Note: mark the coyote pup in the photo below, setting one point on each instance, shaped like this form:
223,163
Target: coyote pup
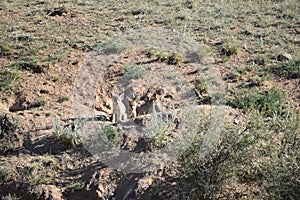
147,107
119,109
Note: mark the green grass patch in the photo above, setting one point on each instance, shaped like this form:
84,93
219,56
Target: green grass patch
7,78
172,58
74,187
64,99
111,134
8,172
267,102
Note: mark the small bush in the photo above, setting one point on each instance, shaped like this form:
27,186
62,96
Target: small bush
110,47
268,102
36,174
159,128
5,49
229,46
282,171
8,172
134,72
111,134
208,175
245,157
39,104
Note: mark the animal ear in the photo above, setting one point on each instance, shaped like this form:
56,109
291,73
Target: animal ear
154,96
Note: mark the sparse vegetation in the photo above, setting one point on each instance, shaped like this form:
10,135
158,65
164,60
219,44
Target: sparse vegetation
160,128
36,173
134,72
171,58
7,78
229,46
64,99
254,44
67,133
39,104
111,134
75,186
289,69
8,172
110,47
246,155
268,102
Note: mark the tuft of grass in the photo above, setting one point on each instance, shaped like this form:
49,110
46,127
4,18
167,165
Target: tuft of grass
290,69
39,104
110,47
64,99
201,89
159,127
75,186
7,79
134,72
5,49
172,58
204,52
36,174
229,47
8,172
175,59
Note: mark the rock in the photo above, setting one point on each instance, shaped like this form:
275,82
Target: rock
19,105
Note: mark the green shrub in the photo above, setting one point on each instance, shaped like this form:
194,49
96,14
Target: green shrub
268,102
231,157
229,46
8,172
134,72
75,186
110,47
247,156
111,134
